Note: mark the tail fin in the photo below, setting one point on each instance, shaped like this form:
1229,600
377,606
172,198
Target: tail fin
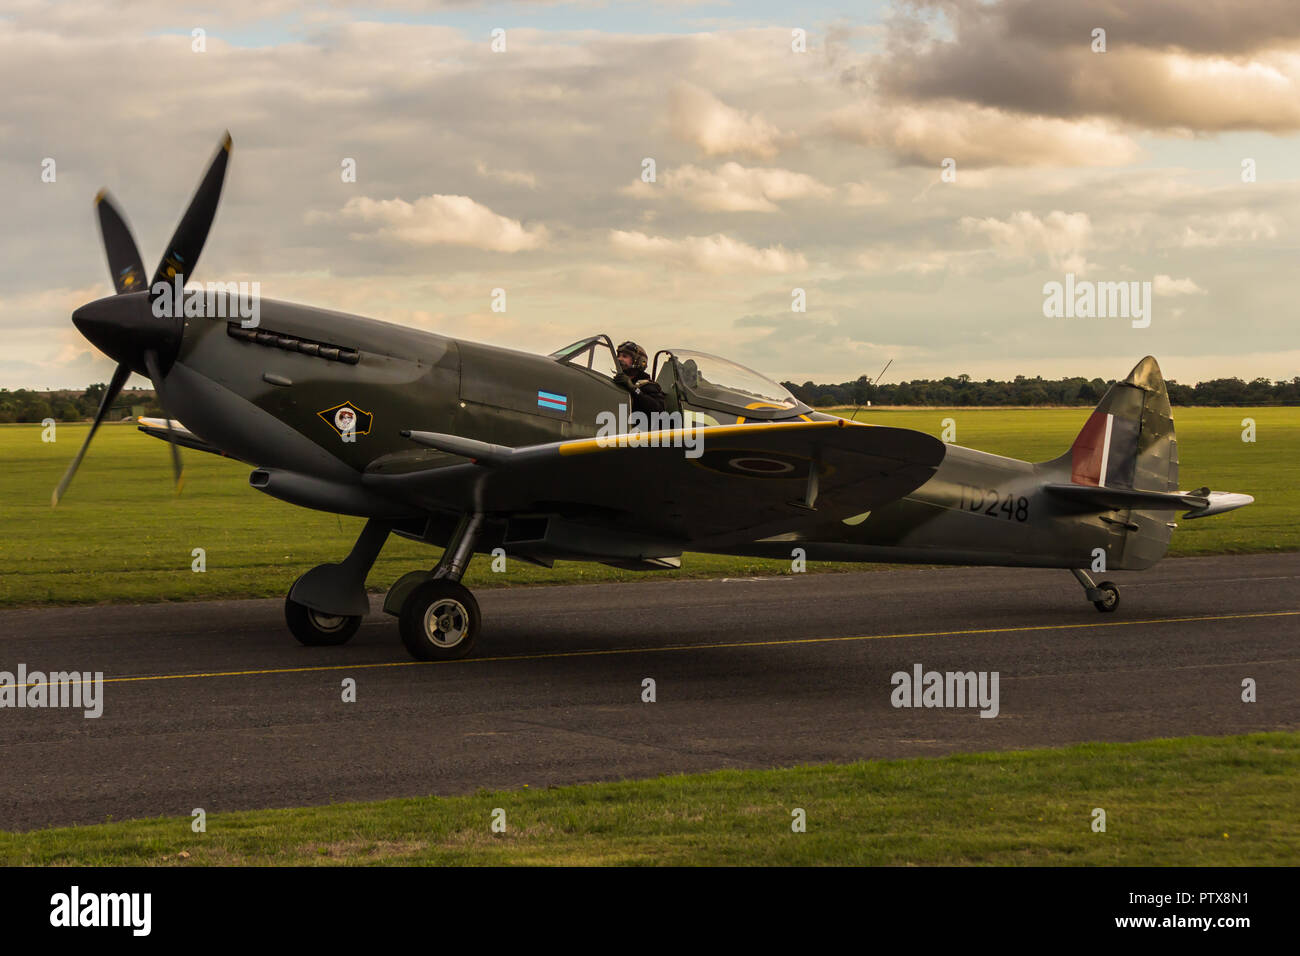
1128,445
1128,442
1123,467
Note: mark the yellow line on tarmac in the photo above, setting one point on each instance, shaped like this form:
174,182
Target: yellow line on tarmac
693,647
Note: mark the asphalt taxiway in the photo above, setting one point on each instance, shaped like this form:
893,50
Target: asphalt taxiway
214,705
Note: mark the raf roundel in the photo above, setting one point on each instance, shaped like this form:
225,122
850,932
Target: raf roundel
745,463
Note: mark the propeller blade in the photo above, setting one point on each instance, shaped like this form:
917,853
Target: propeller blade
155,373
183,251
120,375
123,257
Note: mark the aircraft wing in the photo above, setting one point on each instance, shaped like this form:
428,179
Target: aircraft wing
737,483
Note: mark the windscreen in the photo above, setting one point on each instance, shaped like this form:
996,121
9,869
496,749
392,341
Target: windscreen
594,353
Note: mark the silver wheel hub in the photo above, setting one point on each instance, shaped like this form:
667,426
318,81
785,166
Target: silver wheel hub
326,622
446,622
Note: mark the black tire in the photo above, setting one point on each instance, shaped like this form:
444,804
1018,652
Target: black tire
439,621
1111,601
316,629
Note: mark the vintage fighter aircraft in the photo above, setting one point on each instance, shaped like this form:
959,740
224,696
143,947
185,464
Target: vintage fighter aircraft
471,448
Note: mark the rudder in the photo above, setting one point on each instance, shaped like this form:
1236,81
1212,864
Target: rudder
1128,442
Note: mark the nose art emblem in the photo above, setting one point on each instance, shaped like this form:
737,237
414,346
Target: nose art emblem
347,419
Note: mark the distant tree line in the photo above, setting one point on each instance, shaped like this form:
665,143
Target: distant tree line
70,405
962,390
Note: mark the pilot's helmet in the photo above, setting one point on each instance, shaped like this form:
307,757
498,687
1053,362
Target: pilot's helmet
639,358
690,373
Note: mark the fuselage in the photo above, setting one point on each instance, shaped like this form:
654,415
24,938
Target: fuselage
267,395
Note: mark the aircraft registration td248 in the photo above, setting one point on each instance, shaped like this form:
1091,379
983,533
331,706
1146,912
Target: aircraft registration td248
472,448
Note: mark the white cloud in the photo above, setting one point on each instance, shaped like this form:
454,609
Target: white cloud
700,118
887,262
1237,226
863,194
452,220
1167,285
716,253
509,176
977,136
732,187
1060,236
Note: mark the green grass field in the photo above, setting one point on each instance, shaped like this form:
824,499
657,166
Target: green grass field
1198,801
121,535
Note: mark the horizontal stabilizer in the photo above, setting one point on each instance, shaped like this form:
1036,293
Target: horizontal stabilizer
1219,502
1200,503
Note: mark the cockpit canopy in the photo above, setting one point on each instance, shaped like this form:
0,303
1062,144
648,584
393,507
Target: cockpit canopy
595,352
716,389
711,382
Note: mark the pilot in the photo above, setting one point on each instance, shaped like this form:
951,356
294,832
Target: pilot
646,395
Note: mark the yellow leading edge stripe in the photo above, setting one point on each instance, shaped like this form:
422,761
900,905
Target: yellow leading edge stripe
687,647
600,444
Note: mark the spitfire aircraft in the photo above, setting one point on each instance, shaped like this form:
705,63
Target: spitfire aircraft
473,448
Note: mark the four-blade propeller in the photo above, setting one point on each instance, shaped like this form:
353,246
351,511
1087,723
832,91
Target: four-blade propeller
125,326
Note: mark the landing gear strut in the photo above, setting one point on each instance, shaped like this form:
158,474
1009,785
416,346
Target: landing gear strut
438,617
326,605
1104,596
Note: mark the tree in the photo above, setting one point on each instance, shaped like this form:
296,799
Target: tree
35,410
90,399
862,390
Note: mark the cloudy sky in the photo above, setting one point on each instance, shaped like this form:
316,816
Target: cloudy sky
775,169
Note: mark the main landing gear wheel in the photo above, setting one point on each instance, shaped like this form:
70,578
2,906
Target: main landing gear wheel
1109,599
317,629
439,621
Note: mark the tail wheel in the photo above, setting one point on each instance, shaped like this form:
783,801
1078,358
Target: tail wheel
317,629
1109,599
439,621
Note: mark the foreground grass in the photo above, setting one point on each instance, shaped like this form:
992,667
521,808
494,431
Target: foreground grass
121,535
1201,801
